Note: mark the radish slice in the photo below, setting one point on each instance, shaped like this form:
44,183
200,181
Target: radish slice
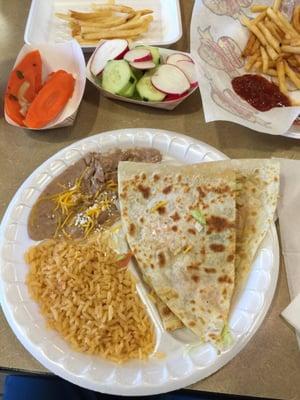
173,97
174,58
108,50
138,55
188,67
143,65
170,79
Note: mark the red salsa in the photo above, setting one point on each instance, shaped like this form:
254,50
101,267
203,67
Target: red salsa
259,92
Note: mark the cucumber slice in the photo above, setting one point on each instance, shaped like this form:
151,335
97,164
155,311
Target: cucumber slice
154,52
138,73
117,76
129,92
147,91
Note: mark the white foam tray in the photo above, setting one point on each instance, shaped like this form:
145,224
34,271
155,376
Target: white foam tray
43,26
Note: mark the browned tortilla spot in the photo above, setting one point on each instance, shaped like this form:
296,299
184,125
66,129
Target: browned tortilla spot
132,229
202,250
192,302
161,210
175,217
144,190
195,278
230,258
174,228
192,323
210,270
218,224
167,189
179,178
143,176
217,247
192,231
156,177
161,259
201,192
225,279
193,267
142,220
166,311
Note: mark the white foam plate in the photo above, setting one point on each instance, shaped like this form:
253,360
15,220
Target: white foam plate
186,360
43,26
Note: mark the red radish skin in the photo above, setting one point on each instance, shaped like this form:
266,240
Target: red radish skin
174,58
108,50
143,65
138,55
173,97
189,69
170,79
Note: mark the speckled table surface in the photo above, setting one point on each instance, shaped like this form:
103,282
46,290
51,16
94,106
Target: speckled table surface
269,366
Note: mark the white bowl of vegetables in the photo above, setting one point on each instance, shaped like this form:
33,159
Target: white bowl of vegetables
151,76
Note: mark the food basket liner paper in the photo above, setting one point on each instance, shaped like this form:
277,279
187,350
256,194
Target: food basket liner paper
164,105
217,40
67,56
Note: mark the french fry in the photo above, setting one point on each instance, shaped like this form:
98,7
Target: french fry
276,5
272,28
257,65
274,17
273,42
112,8
256,8
251,61
85,16
248,49
265,60
259,18
296,18
292,75
272,72
254,29
65,17
107,21
281,77
292,62
112,34
291,49
286,23
272,53
295,42
256,46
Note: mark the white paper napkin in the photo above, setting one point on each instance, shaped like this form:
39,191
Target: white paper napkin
289,221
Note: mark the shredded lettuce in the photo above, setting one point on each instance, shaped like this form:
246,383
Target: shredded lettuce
198,215
226,337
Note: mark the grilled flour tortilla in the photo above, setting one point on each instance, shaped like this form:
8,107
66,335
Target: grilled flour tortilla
256,201
180,225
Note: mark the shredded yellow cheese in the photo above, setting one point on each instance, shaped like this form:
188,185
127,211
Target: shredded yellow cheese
161,203
186,249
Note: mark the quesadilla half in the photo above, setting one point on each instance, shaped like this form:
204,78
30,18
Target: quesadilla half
180,226
256,201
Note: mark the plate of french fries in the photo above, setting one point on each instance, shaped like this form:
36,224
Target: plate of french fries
251,37
152,22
